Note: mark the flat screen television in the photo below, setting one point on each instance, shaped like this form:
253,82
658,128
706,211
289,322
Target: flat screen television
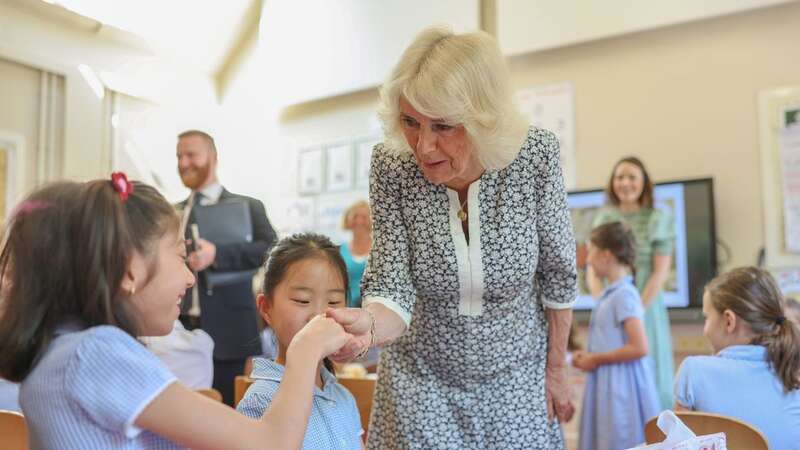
690,203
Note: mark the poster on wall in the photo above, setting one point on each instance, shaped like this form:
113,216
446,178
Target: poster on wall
789,144
340,168
789,281
363,159
779,119
299,214
552,107
310,171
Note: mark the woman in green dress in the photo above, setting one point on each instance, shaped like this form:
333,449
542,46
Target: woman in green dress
630,197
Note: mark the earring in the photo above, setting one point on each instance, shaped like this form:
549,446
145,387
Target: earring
133,291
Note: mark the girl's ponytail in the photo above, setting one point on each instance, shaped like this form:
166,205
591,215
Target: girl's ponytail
754,296
783,350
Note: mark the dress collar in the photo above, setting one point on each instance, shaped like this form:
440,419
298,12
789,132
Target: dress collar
627,279
265,369
70,325
744,352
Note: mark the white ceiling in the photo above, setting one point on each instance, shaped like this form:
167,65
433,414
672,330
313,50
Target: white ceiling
195,33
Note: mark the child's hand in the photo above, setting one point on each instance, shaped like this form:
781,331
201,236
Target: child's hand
584,361
320,337
357,322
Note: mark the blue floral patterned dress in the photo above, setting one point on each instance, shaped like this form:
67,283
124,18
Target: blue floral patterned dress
470,370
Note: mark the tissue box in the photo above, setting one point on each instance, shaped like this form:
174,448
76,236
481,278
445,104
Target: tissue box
714,441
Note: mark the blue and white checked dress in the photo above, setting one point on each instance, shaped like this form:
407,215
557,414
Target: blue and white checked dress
334,421
88,389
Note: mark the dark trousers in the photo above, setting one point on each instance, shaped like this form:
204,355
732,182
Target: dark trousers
225,373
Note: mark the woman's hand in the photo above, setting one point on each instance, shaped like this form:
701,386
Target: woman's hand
320,337
357,322
558,393
584,361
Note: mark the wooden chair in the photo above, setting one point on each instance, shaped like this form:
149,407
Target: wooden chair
211,393
363,389
739,435
240,385
14,431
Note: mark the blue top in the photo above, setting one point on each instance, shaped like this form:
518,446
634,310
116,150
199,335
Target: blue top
355,270
89,387
738,382
619,301
334,421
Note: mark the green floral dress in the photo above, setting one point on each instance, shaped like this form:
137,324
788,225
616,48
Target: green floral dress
654,236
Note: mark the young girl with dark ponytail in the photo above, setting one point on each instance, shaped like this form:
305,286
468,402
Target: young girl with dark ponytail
754,374
620,394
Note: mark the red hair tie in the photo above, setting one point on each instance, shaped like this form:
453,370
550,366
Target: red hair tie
121,184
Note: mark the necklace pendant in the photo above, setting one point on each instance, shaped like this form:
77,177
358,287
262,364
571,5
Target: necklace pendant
462,215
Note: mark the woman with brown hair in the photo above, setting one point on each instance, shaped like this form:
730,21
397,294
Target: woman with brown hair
630,198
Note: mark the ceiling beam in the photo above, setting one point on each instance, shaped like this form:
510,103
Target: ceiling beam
247,33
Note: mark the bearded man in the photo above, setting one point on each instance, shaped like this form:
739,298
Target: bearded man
226,312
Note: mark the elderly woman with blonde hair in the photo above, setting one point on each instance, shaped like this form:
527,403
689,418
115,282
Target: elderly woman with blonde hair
471,276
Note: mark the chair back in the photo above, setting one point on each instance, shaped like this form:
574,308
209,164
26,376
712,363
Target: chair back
739,435
240,385
363,389
211,393
14,430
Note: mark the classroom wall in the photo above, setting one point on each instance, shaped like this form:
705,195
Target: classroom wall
683,98
59,45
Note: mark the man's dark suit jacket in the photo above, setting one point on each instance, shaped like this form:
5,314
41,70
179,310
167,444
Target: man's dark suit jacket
228,313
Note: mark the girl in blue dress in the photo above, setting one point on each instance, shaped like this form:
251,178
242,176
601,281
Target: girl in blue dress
754,374
304,277
85,269
620,395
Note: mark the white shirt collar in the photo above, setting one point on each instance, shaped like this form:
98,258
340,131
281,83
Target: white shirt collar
211,193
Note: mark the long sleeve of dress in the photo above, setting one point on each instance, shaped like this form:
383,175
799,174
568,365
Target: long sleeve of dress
387,278
556,272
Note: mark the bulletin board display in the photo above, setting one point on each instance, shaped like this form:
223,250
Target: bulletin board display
779,132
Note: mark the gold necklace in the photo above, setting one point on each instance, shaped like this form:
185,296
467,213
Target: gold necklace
462,214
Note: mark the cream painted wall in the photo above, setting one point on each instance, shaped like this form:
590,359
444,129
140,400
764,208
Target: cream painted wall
258,149
59,48
19,91
683,98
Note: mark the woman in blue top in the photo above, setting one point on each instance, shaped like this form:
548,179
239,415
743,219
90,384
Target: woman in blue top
304,277
620,393
358,220
84,269
754,375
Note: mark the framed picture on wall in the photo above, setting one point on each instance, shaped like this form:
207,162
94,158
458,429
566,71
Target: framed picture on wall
363,158
310,171
339,168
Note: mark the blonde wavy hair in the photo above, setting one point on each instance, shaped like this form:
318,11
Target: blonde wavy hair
349,211
462,79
